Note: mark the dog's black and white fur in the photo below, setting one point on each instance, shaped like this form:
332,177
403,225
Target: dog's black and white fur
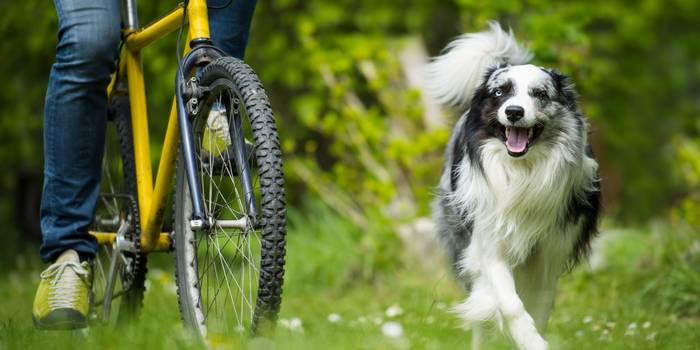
519,194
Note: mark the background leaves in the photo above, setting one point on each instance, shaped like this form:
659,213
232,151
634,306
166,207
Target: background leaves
356,130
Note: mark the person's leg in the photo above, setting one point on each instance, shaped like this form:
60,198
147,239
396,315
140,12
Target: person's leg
229,26
75,116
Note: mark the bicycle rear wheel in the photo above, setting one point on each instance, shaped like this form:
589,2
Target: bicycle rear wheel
118,207
230,275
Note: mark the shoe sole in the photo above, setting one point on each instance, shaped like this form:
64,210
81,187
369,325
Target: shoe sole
61,319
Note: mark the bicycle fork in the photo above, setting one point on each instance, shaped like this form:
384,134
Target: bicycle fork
199,220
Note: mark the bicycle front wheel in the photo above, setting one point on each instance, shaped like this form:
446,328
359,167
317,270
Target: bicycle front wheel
229,275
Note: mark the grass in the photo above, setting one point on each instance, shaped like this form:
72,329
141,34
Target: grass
641,291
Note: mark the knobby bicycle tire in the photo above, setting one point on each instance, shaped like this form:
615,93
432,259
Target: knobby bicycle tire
232,83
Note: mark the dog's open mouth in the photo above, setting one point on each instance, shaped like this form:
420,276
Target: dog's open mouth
518,140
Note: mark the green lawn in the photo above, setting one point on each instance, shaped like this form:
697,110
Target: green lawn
348,288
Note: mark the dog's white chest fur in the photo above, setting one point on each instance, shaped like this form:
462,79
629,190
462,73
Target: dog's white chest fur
516,202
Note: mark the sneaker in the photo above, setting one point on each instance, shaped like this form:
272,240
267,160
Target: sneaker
62,299
217,123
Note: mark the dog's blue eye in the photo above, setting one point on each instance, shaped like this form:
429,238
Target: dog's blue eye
498,93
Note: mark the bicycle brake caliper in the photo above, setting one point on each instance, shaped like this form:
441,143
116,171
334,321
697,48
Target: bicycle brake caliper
192,92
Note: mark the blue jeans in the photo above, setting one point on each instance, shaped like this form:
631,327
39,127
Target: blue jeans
75,111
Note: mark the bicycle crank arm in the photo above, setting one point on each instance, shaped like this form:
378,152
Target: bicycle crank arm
114,262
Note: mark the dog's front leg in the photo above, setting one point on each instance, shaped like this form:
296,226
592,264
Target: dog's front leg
536,283
493,295
477,337
519,323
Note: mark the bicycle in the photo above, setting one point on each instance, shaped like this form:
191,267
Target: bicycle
229,203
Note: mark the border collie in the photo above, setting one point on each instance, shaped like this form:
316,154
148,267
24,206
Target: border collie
519,195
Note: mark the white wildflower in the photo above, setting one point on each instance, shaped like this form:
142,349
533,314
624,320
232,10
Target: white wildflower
333,318
293,324
587,319
393,311
651,336
392,330
646,325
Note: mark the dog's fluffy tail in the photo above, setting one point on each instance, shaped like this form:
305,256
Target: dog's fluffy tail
453,77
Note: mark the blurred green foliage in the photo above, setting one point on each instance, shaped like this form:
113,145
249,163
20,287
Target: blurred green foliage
634,62
354,128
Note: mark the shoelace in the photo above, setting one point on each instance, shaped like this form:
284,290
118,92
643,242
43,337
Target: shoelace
64,293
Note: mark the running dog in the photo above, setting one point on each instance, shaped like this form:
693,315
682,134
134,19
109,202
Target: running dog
519,196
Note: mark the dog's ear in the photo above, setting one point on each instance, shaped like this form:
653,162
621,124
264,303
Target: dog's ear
565,88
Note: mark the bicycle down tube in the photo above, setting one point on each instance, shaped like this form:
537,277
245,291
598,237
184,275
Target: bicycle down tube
152,199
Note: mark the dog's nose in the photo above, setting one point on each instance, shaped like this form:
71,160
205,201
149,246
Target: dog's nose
514,113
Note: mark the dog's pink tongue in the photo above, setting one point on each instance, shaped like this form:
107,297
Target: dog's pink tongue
516,140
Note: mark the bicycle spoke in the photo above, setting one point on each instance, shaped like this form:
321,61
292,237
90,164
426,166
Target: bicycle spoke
228,283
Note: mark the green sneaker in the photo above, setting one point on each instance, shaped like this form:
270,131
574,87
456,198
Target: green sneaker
217,123
62,300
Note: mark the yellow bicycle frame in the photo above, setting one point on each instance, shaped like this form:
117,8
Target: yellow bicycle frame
152,200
